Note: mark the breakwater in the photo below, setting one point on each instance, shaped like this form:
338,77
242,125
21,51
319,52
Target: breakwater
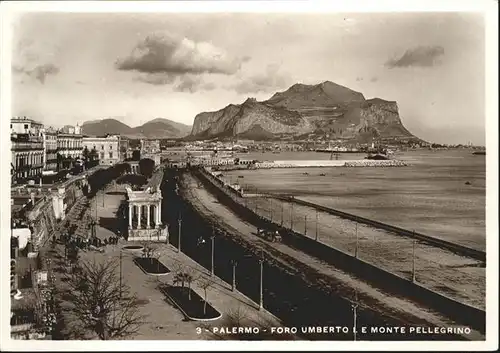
456,248
459,312
294,294
316,164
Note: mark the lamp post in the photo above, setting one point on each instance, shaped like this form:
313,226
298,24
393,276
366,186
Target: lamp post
282,209
356,249
355,315
180,232
121,273
413,278
212,238
261,301
316,225
234,263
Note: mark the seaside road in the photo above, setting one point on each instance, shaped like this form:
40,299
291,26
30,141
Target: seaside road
343,283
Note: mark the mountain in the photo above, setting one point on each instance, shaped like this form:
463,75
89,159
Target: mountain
105,126
323,109
157,128
162,128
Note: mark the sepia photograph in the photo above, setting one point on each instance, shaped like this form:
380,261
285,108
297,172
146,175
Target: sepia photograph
249,175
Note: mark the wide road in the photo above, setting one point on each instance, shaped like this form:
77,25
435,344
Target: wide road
343,283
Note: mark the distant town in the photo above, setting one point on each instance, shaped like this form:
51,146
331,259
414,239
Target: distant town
43,154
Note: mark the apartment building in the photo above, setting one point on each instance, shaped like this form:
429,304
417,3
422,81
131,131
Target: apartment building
107,148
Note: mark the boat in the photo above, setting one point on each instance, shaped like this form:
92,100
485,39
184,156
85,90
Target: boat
377,157
479,153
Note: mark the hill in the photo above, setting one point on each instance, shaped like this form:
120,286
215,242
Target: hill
306,110
158,128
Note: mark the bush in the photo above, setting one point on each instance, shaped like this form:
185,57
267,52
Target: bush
132,179
147,167
102,177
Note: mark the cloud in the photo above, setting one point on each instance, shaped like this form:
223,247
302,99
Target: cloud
170,54
157,79
423,56
191,83
263,82
34,61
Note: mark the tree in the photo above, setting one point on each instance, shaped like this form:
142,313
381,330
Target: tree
149,251
205,283
102,304
147,167
136,155
86,156
132,179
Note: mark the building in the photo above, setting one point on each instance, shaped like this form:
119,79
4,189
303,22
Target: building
25,125
70,129
50,151
107,148
124,148
27,150
150,147
69,147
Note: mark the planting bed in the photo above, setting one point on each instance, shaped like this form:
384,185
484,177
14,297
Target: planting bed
133,247
193,308
151,266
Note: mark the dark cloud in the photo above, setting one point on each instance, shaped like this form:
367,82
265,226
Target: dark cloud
264,82
157,79
38,72
181,83
166,53
423,56
191,83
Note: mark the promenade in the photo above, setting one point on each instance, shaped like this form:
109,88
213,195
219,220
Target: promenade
163,320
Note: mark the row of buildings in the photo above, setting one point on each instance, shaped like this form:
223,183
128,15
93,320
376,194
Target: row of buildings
38,151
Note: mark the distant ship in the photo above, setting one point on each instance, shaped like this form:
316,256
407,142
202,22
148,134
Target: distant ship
481,153
377,156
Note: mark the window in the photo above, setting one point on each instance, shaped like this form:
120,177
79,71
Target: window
110,147
94,147
102,155
11,126
26,126
110,154
102,147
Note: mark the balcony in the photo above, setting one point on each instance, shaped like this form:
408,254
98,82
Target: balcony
26,146
59,149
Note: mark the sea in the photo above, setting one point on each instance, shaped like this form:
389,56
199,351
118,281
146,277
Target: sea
442,193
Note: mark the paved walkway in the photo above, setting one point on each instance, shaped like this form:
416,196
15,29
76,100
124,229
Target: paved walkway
165,321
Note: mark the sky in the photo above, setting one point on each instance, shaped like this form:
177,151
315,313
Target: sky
73,67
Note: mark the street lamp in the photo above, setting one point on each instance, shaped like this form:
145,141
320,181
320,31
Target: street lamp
234,263
180,226
261,301
212,249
